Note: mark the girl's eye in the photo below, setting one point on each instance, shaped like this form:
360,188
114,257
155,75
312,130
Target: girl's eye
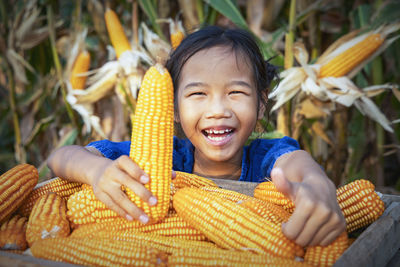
236,92
196,93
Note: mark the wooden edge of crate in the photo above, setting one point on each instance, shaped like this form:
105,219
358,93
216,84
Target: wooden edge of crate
377,244
13,259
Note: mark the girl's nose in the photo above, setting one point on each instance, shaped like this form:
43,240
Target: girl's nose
218,108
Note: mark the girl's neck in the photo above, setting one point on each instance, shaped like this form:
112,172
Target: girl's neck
220,170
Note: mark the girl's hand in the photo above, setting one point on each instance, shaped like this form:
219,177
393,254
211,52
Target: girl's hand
317,218
107,183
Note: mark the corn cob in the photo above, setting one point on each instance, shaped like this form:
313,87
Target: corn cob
184,179
344,62
48,219
267,192
159,242
177,33
226,193
359,203
85,186
116,33
327,256
96,252
152,135
81,65
171,226
174,226
220,257
231,226
15,186
84,208
57,185
12,234
274,213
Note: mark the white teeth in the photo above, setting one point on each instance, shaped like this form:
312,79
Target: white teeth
210,131
218,138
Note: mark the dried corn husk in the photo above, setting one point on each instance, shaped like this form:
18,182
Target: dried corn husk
334,89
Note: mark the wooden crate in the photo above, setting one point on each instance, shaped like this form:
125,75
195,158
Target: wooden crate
378,245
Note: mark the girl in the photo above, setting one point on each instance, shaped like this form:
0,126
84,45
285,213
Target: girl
220,80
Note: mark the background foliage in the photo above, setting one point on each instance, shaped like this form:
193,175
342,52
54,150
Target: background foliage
35,118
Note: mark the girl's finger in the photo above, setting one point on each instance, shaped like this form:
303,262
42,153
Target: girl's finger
132,169
297,221
109,202
316,226
329,238
137,188
283,185
173,174
130,211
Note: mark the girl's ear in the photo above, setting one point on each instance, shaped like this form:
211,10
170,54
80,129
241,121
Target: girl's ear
261,110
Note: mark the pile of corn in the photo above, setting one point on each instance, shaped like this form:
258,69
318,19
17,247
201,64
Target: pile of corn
195,223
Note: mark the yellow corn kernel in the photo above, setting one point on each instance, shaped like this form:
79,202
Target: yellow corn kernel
359,203
171,226
57,185
15,186
152,135
12,234
232,226
225,193
84,208
81,65
48,219
184,179
327,256
203,257
166,244
274,213
96,252
351,57
116,32
267,192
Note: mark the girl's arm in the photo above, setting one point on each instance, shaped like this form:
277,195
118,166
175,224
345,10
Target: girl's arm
87,165
317,219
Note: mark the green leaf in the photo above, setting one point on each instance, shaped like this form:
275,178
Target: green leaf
150,10
229,10
388,13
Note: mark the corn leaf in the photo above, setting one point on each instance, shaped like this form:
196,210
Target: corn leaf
150,10
229,10
386,14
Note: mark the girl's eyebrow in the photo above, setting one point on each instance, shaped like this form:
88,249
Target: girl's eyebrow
242,83
194,84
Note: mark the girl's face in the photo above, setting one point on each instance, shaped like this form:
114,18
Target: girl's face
217,104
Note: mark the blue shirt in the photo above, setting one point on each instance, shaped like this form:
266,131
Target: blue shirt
258,158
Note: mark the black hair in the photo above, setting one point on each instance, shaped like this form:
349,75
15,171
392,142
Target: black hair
240,41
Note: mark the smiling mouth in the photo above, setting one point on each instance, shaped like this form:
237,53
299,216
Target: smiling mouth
217,135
